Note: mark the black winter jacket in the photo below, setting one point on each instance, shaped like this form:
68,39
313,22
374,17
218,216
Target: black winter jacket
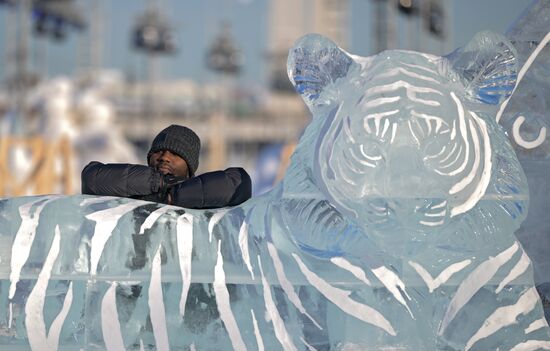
230,187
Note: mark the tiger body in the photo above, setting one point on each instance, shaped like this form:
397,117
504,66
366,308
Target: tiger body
393,228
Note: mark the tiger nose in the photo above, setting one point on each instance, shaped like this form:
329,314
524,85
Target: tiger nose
406,171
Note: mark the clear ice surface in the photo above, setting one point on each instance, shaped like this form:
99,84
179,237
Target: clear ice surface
393,228
526,119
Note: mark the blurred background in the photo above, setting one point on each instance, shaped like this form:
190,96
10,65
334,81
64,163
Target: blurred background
84,80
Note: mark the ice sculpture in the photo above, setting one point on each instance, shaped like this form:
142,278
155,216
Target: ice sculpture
526,119
80,114
392,229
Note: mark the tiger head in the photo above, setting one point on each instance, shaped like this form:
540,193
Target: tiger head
407,140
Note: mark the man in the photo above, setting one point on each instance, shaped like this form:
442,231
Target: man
170,176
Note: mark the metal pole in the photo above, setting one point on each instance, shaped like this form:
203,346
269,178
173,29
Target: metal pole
380,26
21,62
10,32
391,23
152,72
96,24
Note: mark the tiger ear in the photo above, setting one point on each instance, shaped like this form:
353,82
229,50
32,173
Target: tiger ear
314,62
487,67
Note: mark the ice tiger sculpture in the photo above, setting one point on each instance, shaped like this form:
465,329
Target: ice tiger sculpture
392,229
525,117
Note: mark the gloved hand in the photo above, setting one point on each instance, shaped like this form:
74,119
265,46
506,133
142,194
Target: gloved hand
168,181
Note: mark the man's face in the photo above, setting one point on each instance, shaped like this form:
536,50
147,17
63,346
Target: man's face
168,162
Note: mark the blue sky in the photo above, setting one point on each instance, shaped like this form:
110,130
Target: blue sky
197,22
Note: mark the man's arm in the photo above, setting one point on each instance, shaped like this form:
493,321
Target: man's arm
230,187
120,179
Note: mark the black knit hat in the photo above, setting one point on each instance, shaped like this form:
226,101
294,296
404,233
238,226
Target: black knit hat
180,140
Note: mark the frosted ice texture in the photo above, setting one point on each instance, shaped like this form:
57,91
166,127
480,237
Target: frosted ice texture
526,119
392,229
